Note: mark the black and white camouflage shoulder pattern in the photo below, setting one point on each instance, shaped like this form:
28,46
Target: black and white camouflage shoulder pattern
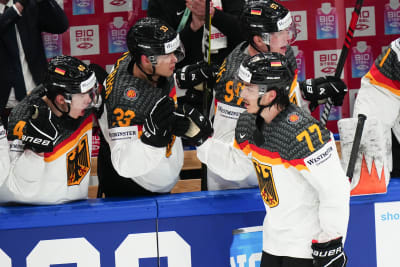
129,99
390,67
245,127
294,134
227,73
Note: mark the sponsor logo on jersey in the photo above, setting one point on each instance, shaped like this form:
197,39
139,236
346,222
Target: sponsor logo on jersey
227,113
320,158
266,183
121,133
130,94
78,162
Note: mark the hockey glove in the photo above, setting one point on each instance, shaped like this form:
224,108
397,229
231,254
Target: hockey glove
197,130
318,90
194,98
40,132
329,254
192,75
158,123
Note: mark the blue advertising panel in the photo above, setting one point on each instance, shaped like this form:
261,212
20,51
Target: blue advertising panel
218,228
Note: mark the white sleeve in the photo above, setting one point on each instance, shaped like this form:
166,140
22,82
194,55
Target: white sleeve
25,178
148,166
4,155
326,175
225,160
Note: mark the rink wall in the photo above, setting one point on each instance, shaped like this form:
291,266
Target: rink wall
194,229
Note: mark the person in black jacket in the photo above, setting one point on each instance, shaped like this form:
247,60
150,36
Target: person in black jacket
224,14
22,57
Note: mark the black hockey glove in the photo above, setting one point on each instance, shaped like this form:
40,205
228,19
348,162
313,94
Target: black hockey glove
158,123
192,75
318,90
191,125
329,254
40,133
194,98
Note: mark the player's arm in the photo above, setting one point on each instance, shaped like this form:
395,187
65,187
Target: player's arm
229,159
148,153
326,176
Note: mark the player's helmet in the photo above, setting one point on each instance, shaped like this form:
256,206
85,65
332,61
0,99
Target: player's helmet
153,37
269,71
263,17
68,75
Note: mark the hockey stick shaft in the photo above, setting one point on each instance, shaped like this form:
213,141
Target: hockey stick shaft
356,145
343,55
206,87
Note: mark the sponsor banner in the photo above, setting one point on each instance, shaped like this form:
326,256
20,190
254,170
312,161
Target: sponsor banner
325,62
387,228
84,40
300,19
118,5
366,21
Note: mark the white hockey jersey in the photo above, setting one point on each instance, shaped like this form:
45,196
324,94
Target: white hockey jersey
128,100
56,177
228,107
304,188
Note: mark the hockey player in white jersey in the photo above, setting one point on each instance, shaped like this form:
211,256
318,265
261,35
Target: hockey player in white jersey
141,150
269,27
50,134
303,186
380,87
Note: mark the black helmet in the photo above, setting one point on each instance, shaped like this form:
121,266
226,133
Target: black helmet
153,37
262,17
68,75
268,70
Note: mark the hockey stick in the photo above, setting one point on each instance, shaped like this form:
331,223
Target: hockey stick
343,56
356,146
206,87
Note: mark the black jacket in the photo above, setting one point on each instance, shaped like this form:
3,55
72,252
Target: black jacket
226,21
45,16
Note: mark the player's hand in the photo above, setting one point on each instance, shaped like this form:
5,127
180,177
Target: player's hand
318,90
158,123
40,133
329,254
197,127
192,75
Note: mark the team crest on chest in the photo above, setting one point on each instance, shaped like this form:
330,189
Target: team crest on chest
266,183
293,117
130,94
78,162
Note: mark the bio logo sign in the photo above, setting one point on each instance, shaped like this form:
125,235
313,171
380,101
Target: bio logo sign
81,252
366,21
300,20
117,6
325,62
84,40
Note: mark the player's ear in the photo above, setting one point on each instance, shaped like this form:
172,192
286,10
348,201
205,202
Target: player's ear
60,99
144,59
